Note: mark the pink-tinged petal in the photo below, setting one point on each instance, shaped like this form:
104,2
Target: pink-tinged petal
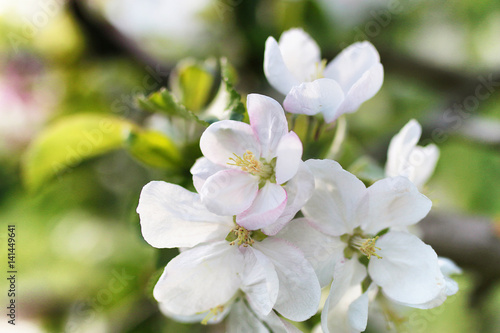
408,271
300,53
172,216
400,148
200,279
366,87
267,206
268,122
346,288
259,282
351,64
289,154
393,202
335,200
320,96
275,69
229,192
298,189
299,291
201,170
223,139
322,251
423,161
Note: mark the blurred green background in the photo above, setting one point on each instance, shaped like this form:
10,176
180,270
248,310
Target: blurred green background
82,263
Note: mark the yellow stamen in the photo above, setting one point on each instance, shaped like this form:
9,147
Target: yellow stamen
213,313
366,246
320,68
243,237
249,163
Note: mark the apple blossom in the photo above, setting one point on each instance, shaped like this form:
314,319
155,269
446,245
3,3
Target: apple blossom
294,67
346,222
405,158
222,263
253,171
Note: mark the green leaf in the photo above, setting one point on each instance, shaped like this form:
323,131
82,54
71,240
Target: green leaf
193,81
68,142
235,105
154,149
165,102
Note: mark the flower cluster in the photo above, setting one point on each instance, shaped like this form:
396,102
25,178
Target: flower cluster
245,257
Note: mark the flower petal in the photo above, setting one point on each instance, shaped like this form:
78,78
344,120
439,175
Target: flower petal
196,318
201,170
322,251
267,206
260,281
393,202
298,189
200,279
299,290
320,96
268,122
350,64
364,89
289,154
400,148
447,267
405,158
229,192
242,319
408,271
224,138
172,216
335,200
346,288
275,69
423,162
300,53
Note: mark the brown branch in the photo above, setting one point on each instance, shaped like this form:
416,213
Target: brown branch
472,242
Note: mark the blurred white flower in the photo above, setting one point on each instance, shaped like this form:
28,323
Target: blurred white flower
294,67
405,158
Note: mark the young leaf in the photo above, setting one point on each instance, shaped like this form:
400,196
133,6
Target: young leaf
154,149
193,82
235,105
165,102
68,142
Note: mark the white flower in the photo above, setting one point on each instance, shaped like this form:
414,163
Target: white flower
223,262
294,67
345,221
405,158
253,171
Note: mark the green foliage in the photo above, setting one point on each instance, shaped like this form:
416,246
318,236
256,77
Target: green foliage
192,82
235,105
70,141
165,102
154,149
